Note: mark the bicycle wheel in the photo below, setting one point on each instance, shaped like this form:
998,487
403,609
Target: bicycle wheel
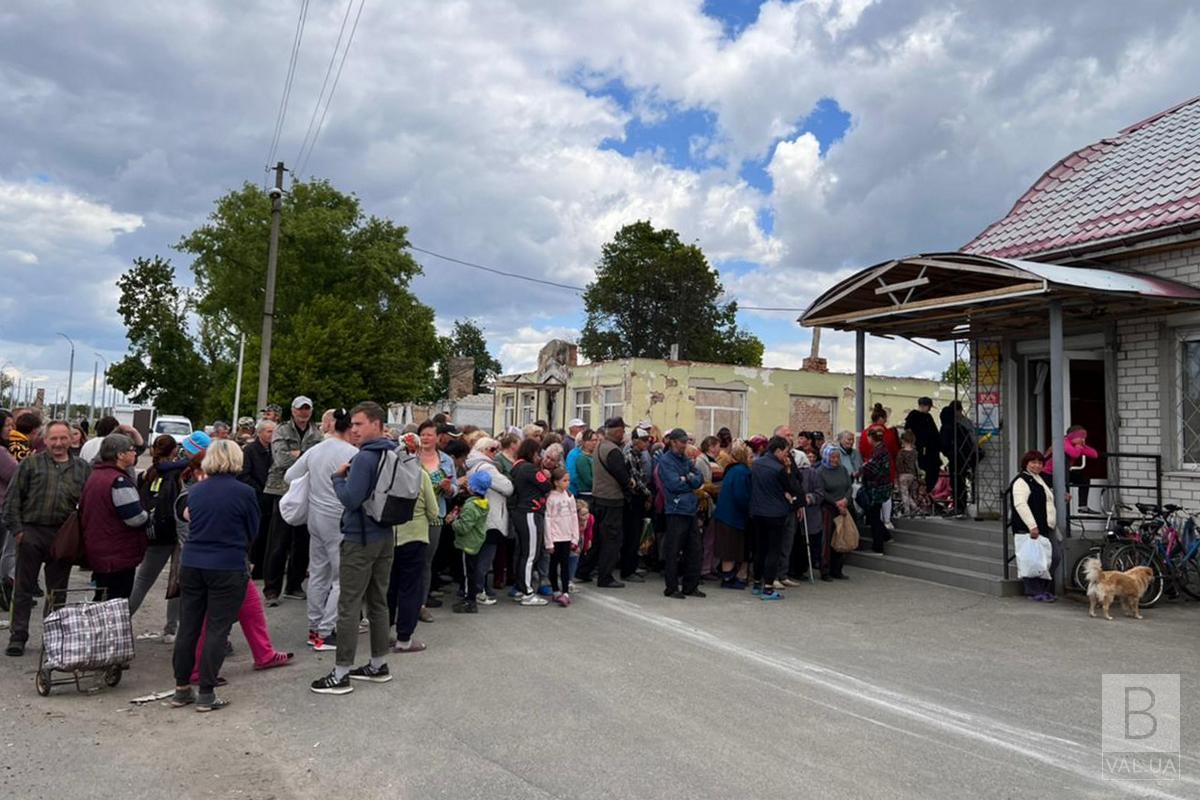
1078,581
1187,576
1142,555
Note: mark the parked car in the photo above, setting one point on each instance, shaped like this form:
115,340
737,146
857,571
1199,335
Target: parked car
178,427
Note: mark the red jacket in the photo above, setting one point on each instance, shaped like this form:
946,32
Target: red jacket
111,544
890,440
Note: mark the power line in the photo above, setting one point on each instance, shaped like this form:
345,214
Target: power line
580,289
312,120
332,89
287,82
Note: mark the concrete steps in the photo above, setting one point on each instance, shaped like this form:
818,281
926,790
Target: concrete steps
960,553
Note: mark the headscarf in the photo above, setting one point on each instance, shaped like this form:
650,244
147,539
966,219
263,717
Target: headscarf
827,455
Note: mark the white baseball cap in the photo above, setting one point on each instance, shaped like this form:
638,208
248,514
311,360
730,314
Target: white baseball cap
301,402
577,423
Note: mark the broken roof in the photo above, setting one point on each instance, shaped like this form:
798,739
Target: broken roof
1142,181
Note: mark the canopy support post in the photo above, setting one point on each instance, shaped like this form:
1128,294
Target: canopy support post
860,381
1057,419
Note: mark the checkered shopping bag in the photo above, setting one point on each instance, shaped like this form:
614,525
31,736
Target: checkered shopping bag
87,636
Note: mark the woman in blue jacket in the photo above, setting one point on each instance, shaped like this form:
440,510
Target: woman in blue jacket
731,517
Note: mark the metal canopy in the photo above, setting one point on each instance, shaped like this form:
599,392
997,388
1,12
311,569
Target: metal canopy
959,295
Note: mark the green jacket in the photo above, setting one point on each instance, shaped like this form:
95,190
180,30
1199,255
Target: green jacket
425,513
470,529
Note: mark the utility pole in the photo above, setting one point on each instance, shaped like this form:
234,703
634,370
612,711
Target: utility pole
103,386
92,405
70,377
237,392
264,363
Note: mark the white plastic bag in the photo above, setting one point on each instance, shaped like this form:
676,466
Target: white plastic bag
293,506
1033,556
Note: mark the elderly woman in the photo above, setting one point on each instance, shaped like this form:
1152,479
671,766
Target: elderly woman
113,520
731,518
877,488
223,520
837,500
1033,514
483,459
809,522
852,460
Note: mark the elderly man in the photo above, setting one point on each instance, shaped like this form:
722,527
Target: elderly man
220,430
611,485
680,479
256,468
574,428
288,544
43,493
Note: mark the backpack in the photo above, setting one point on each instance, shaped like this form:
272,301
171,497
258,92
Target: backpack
158,498
397,484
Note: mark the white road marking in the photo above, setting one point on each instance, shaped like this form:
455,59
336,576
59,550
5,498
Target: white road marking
1082,760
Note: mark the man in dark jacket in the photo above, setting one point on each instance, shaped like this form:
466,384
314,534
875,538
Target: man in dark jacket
680,479
367,550
958,443
920,422
611,486
770,504
287,544
256,467
43,493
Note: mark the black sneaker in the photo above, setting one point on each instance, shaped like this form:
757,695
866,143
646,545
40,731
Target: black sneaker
432,602
611,583
633,578
272,600
674,594
696,593
331,685
295,594
463,607
368,673
15,649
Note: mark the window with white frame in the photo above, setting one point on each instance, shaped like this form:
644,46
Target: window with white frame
719,408
528,407
510,409
1188,392
614,402
583,406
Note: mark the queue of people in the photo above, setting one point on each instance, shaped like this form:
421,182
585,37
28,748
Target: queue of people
532,511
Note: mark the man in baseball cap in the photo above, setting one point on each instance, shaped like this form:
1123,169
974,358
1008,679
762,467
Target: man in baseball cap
611,483
287,545
574,428
680,479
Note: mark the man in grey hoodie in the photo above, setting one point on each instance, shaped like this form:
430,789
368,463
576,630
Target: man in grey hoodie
367,550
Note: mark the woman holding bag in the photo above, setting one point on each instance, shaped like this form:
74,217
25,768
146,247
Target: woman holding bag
838,501
1033,518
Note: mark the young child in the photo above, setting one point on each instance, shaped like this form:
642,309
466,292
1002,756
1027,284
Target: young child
562,534
906,472
586,525
470,531
1077,451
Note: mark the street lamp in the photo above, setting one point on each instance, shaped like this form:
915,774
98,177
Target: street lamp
70,376
104,386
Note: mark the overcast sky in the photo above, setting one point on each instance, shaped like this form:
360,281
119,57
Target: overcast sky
794,141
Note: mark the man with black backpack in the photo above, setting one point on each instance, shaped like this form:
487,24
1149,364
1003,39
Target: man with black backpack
367,549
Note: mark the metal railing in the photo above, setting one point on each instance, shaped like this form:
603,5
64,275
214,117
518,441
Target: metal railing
1156,487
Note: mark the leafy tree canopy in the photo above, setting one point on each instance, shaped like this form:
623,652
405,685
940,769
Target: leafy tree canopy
465,340
652,291
347,327
163,366
957,371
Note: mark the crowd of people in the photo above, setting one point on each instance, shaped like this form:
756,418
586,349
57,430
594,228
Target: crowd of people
532,512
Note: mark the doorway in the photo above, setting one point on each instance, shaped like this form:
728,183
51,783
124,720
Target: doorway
1084,389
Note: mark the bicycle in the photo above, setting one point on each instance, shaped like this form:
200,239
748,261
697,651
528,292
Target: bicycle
1160,545
1117,533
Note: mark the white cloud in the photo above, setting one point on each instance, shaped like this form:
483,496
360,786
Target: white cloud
519,351
39,218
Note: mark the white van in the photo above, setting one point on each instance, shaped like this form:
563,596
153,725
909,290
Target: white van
178,427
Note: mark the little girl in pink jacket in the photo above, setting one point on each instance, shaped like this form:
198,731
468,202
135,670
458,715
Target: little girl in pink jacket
1075,447
562,534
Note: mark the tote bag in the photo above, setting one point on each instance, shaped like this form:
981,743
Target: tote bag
293,506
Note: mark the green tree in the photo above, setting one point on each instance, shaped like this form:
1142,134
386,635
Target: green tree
958,370
465,340
652,291
163,366
347,327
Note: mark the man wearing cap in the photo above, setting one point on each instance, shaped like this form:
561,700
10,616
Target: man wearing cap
445,432
611,485
42,494
637,461
272,412
288,544
680,479
574,428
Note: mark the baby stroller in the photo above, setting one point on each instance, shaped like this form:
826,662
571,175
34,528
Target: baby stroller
942,499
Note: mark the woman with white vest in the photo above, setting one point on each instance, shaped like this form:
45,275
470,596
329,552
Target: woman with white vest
482,459
319,463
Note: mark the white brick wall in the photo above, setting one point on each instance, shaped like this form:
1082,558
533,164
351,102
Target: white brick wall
1139,378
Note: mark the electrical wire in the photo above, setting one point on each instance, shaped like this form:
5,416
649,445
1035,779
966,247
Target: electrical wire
580,289
332,89
281,115
312,120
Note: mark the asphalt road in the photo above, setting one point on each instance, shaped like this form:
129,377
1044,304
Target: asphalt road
875,687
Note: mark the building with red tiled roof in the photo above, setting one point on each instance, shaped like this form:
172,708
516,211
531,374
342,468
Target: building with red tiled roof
1142,184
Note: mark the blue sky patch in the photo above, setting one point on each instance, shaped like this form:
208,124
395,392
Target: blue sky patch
680,137
734,15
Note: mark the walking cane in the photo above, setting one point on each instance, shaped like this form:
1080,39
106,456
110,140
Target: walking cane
808,545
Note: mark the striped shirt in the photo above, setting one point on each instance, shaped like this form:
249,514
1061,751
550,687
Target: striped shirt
44,491
128,503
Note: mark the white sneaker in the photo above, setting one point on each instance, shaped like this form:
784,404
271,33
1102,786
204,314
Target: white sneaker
168,638
777,585
484,600
791,583
572,588
533,600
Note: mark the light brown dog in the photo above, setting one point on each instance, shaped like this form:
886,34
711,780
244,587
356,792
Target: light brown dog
1104,586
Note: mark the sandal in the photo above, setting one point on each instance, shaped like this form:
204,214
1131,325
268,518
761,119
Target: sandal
214,704
277,660
181,699
413,647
